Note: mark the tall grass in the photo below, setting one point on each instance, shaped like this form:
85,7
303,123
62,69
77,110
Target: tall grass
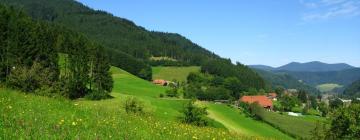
33,117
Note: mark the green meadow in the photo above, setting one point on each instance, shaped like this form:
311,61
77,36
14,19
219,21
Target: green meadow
328,87
299,127
235,121
171,73
36,117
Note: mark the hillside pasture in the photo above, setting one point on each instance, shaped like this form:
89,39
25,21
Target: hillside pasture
173,73
299,127
237,122
328,87
34,117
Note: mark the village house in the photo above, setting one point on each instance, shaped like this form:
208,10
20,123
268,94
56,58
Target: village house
160,82
263,101
272,96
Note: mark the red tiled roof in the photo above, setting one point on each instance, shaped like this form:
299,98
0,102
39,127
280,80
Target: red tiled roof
262,100
159,81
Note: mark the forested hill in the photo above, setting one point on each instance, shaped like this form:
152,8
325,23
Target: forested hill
314,66
284,80
353,90
50,60
119,34
343,77
130,46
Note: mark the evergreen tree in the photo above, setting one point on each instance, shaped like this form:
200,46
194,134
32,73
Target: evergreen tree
30,53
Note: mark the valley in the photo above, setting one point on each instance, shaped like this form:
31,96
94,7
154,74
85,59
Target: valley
80,69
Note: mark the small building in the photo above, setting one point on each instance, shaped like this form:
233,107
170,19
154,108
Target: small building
294,114
272,96
221,101
263,101
160,82
345,102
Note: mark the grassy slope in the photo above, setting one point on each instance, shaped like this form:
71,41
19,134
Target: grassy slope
328,87
34,117
300,127
229,117
100,118
171,73
128,84
234,121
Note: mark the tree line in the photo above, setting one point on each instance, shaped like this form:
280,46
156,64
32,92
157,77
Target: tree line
219,79
39,56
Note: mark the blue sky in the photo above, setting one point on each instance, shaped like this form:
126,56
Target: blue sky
270,32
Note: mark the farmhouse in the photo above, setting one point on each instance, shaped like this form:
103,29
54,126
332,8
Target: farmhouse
160,82
272,96
261,100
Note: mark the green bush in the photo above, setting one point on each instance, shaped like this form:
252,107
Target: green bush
345,123
133,105
173,92
245,109
256,111
47,91
194,115
28,79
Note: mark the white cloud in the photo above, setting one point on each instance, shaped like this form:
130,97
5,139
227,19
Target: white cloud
309,4
328,9
332,2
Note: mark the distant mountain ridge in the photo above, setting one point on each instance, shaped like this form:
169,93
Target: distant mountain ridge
314,66
353,90
262,67
284,80
342,77
312,73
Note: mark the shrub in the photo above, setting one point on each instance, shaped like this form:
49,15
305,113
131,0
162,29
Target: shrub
161,95
324,109
133,105
173,92
345,123
29,79
245,109
253,110
278,106
194,115
256,111
47,91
